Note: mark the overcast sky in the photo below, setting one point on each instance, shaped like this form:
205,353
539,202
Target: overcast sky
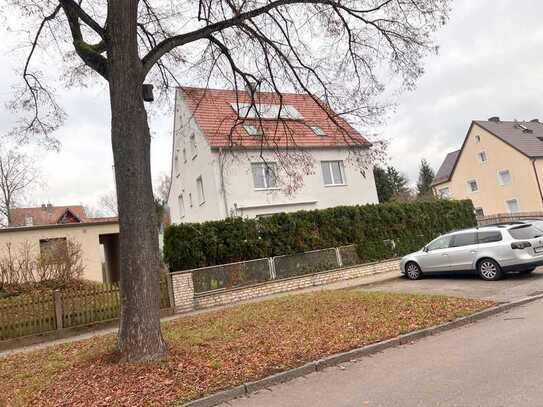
490,63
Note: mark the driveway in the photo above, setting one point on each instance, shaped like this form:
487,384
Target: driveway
512,287
495,362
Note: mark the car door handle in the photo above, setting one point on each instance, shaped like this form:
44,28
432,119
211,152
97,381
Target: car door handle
473,251
444,254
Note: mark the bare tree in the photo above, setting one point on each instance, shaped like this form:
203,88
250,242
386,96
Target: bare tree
163,187
340,52
108,204
17,175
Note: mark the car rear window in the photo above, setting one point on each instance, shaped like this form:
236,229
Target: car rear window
525,232
464,239
489,237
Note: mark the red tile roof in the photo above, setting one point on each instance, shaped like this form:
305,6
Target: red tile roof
48,215
214,114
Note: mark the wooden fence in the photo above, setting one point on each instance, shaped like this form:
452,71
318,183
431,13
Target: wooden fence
54,310
507,217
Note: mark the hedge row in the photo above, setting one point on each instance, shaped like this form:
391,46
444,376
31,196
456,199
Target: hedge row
379,231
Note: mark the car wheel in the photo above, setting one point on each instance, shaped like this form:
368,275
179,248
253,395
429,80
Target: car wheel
413,271
528,271
489,270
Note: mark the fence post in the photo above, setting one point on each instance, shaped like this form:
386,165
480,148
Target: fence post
338,258
271,266
170,291
59,311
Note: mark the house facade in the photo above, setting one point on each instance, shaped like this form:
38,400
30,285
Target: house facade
45,228
499,167
239,154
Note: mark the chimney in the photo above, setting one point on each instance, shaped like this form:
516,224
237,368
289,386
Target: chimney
49,208
494,119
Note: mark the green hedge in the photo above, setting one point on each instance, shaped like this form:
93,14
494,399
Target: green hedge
379,231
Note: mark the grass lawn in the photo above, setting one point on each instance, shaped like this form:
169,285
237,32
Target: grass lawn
221,349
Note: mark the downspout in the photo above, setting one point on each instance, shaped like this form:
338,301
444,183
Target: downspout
538,183
223,187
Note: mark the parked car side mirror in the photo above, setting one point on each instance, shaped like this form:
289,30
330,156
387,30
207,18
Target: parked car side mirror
425,249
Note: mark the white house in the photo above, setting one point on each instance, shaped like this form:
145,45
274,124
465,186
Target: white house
231,157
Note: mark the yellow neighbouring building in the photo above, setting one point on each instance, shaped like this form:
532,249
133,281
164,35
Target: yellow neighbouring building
499,167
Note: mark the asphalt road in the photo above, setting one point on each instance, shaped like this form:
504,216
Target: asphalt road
494,362
514,286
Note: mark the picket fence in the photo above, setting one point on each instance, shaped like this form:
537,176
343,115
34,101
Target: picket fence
46,311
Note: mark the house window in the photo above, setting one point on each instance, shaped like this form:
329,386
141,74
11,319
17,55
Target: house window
318,131
253,130
333,172
479,212
482,157
265,111
29,221
444,193
181,202
264,175
472,186
176,165
504,177
200,189
190,199
477,139
54,250
512,205
193,146
184,155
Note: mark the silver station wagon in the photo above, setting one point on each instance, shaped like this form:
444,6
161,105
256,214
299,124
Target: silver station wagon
489,251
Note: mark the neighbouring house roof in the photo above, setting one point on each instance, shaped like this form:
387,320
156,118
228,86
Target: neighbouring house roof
216,113
47,215
445,171
525,137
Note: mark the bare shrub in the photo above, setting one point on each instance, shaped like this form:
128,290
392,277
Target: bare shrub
24,268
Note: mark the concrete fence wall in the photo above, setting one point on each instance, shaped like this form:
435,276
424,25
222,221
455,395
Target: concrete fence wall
186,299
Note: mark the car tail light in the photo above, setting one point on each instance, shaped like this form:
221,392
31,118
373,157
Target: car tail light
520,245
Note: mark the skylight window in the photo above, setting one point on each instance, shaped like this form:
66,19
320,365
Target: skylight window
253,130
266,111
318,131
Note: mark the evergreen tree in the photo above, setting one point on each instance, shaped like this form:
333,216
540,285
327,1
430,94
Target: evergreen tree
390,184
426,177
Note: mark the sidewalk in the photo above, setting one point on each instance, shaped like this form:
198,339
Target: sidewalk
345,284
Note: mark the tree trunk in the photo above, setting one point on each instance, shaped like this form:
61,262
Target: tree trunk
140,338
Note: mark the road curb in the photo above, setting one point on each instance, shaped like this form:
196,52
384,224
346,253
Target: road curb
339,358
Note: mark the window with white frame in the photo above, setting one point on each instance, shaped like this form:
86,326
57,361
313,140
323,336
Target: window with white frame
176,165
318,131
333,172
504,177
482,157
264,175
444,193
477,139
253,130
479,212
184,155
472,186
200,190
512,205
190,199
181,203
193,146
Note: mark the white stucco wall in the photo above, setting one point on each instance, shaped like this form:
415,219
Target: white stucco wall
313,193
202,165
242,199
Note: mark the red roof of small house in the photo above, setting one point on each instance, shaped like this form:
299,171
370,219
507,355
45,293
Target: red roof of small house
47,215
216,116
